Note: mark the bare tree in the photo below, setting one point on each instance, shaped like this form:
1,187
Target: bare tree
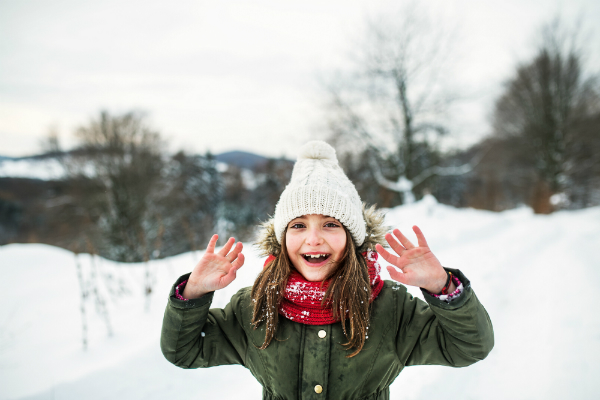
391,108
116,182
552,108
123,158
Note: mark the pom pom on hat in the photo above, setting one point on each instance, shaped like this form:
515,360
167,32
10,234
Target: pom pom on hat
317,150
319,186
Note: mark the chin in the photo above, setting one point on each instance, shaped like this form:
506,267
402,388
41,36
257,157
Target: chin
313,274
313,277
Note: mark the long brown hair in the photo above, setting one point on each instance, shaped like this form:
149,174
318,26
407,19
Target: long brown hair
349,292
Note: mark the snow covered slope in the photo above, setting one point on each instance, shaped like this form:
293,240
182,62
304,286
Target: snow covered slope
538,277
33,168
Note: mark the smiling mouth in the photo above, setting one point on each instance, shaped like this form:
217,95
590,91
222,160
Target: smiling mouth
316,258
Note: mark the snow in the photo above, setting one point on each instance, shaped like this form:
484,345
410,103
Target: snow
45,169
536,275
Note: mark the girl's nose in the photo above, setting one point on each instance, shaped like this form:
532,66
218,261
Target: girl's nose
314,237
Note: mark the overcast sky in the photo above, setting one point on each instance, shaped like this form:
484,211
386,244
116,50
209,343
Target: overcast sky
234,74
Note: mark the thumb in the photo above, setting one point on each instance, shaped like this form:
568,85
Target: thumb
397,275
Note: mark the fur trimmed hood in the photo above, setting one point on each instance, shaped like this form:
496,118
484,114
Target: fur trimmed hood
268,245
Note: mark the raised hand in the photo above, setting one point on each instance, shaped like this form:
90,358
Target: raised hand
214,270
418,264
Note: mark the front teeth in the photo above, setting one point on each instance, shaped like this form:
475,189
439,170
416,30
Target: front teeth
316,255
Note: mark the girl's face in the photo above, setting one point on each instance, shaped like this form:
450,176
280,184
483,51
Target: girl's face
315,243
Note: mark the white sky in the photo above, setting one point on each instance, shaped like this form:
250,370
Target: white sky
233,74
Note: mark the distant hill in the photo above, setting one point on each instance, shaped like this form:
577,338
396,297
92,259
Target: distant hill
242,159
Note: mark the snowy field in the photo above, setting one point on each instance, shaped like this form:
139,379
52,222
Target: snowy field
538,277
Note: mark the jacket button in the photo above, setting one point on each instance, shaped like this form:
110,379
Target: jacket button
318,389
322,334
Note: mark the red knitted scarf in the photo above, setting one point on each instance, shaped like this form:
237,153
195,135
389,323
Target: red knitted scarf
302,298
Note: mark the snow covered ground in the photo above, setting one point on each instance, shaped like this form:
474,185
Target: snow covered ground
538,277
47,168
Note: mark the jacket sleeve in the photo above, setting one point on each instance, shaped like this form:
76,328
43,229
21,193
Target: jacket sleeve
456,333
194,336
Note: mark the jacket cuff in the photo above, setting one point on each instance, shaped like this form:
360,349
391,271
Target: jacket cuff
455,303
188,304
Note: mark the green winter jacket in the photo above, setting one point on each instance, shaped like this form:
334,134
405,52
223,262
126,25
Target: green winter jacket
307,359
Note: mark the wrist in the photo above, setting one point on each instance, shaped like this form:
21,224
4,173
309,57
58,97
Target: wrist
444,284
192,291
192,294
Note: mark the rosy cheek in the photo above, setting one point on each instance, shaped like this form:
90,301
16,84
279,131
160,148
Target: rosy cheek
291,244
340,243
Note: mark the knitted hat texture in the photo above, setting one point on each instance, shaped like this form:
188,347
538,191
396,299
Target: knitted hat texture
319,186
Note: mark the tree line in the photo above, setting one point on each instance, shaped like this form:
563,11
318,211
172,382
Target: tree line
139,203
125,198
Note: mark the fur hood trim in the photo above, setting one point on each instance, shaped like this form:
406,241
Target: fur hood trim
268,245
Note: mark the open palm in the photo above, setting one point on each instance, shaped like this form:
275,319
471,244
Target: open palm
215,271
419,266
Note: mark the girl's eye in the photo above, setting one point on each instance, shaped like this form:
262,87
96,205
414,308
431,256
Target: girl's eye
297,225
331,225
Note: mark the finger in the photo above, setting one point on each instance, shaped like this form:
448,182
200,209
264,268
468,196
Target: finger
239,261
420,237
232,274
211,244
387,256
394,244
405,242
234,253
396,275
227,247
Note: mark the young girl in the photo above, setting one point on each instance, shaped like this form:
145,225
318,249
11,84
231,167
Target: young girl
319,323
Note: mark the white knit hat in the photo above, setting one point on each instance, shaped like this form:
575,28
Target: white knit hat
319,186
